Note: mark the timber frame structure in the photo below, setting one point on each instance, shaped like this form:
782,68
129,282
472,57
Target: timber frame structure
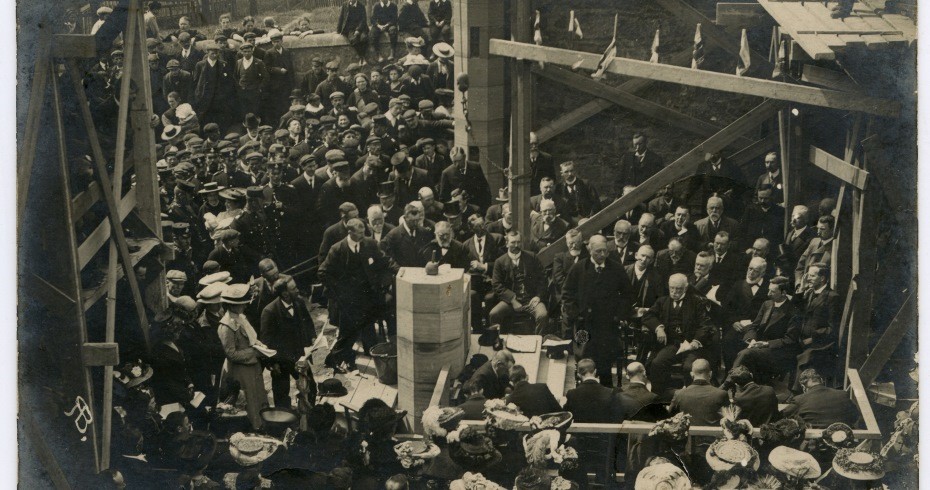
861,171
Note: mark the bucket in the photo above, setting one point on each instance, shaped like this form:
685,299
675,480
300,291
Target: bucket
385,356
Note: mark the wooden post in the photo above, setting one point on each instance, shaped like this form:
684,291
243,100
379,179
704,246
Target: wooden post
27,153
521,117
864,260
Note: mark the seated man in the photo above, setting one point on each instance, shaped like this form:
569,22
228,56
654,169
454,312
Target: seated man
682,329
531,398
758,403
636,387
547,226
773,337
677,259
591,402
700,400
473,406
820,406
519,283
493,376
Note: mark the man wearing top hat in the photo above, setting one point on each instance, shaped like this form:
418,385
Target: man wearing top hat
452,213
407,180
465,175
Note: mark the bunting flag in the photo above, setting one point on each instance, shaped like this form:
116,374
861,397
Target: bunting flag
574,26
697,56
537,32
609,54
742,65
655,49
781,60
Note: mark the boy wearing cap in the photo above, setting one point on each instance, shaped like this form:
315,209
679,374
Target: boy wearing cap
384,21
178,81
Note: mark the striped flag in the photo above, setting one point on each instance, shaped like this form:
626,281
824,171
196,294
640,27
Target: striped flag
655,49
697,56
574,26
609,54
537,33
781,60
742,65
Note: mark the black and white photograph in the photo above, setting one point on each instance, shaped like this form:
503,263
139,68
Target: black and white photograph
463,245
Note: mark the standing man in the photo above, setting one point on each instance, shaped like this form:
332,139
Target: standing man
355,273
280,65
353,24
520,284
700,399
541,164
306,194
404,242
676,319
772,178
640,164
384,21
483,250
818,251
466,176
799,237
188,54
597,297
213,89
763,219
251,76
286,327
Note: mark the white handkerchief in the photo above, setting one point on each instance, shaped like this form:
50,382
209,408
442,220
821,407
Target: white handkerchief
371,261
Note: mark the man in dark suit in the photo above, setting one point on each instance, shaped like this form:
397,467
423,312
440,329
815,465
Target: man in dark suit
818,251
820,406
439,13
547,227
306,195
466,176
622,248
582,198
188,54
541,165
404,242
680,226
213,88
240,261
280,65
663,205
799,237
355,273
178,81
547,192
364,182
741,306
647,233
757,403
640,164
286,327
473,406
819,308
729,264
335,191
763,219
676,259
493,376
772,178
646,282
338,230
718,175
520,285
591,402
676,319
772,339
701,280
377,227
251,76
531,398
563,262
715,222
483,250
636,388
444,249
353,24
408,180
384,22
597,297
700,399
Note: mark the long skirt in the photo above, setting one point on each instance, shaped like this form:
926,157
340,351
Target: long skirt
250,380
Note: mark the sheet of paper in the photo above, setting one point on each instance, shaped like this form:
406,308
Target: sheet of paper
264,350
712,294
556,343
198,399
521,343
170,408
684,347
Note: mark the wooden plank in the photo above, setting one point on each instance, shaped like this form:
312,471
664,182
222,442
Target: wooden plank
90,296
790,22
27,149
758,148
81,203
74,46
680,168
905,319
522,90
742,15
700,78
847,309
831,79
836,167
100,354
439,392
861,399
630,101
101,234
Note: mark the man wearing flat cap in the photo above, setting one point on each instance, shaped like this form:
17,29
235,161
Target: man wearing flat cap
177,80
213,88
184,256
336,190
232,174
313,77
465,175
251,77
280,65
309,227
408,180
337,100
430,161
240,261
331,84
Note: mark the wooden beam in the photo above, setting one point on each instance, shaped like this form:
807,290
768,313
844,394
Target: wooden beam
81,203
838,168
755,150
28,144
74,46
679,169
904,320
594,107
521,122
742,15
94,354
43,453
700,78
629,101
861,398
831,79
439,397
101,234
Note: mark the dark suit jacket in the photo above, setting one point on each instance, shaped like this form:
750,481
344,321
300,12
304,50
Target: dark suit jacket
288,334
543,166
561,264
757,403
473,408
331,236
582,203
702,401
169,378
561,205
695,322
541,239
820,317
634,172
331,197
822,406
405,249
241,263
211,85
638,392
310,226
364,188
691,238
795,245
193,57
274,63
493,385
602,299
817,251
707,231
456,255
493,248
648,289
757,223
181,82
741,304
473,181
252,78
533,399
629,253
728,271
666,268
775,325
591,402
351,287
407,190
506,285
352,18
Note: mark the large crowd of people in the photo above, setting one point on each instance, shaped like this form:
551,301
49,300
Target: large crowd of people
275,182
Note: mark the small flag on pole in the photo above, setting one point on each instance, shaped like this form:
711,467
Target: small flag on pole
574,26
742,65
781,60
609,54
537,33
697,56
655,49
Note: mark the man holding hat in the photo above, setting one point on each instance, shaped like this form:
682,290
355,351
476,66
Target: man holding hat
251,76
286,327
408,180
467,176
280,65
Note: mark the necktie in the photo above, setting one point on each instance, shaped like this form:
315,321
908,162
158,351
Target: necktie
355,248
599,268
719,258
677,305
480,246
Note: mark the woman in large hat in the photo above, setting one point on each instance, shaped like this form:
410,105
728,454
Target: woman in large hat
242,358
